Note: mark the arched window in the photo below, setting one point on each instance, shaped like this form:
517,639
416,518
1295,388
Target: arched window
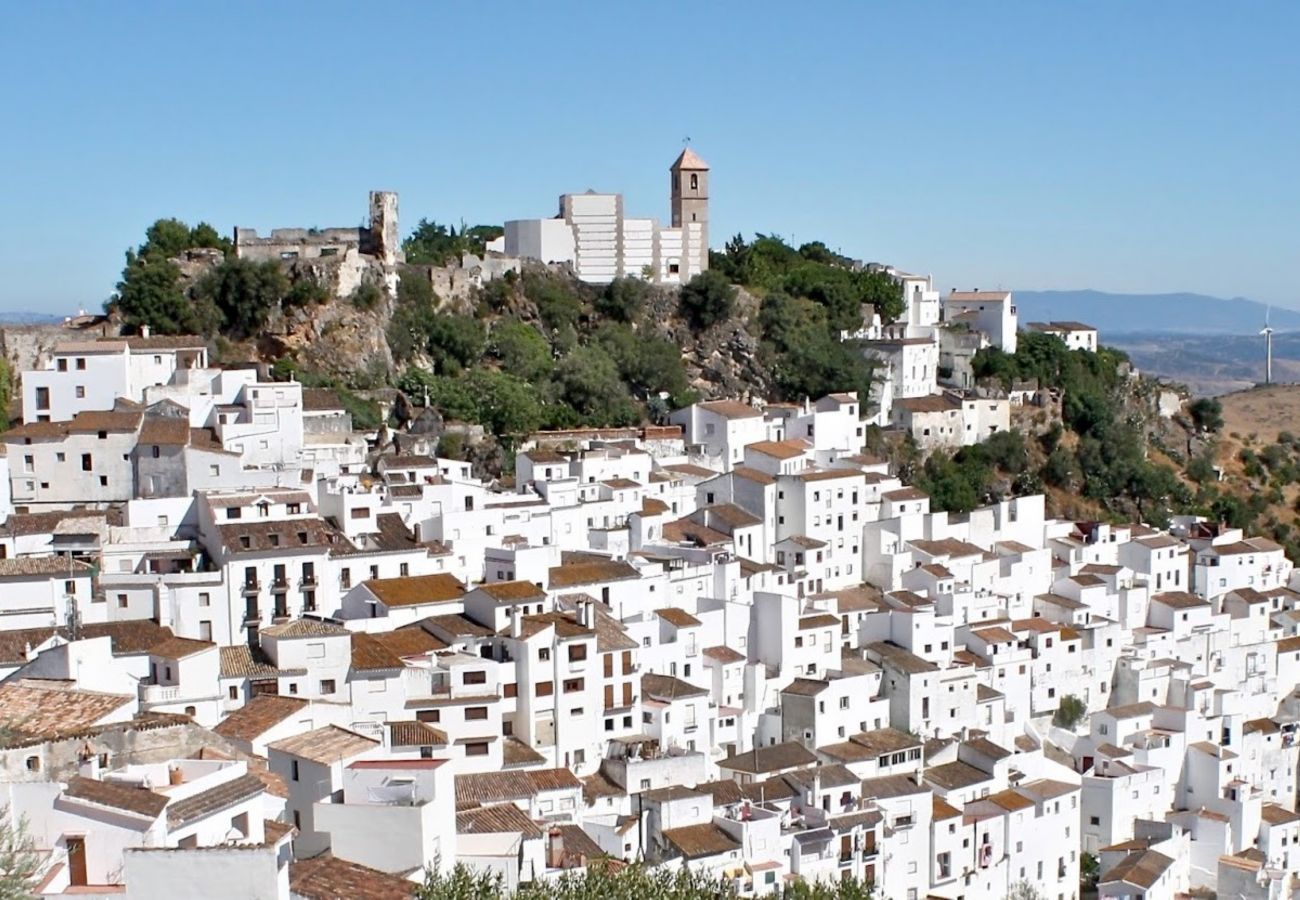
695,182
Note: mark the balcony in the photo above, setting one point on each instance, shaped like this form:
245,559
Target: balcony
307,581
159,693
280,586
251,588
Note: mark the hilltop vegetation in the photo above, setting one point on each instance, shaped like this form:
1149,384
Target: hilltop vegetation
541,350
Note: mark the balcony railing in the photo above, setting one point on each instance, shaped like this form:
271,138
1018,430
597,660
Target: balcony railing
307,581
251,587
279,585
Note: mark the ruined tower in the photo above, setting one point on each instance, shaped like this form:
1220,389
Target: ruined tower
384,240
690,206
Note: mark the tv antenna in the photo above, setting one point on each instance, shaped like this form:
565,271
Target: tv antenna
1267,331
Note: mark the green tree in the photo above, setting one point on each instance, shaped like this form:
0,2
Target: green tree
623,299
588,381
6,392
559,305
455,341
431,244
150,294
244,293
507,406
1206,413
707,298
20,861
521,349
1070,712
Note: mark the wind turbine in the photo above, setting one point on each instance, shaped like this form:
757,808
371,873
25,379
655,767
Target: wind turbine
1267,331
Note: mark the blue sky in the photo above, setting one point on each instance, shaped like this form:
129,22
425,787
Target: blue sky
1123,146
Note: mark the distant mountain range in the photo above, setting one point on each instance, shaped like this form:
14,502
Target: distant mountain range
1114,314
28,318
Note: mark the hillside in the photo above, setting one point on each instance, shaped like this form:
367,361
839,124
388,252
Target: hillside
1210,365
1178,313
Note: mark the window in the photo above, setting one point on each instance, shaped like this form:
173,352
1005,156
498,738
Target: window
577,652
87,463
544,689
479,677
81,395
33,764
544,654
475,713
510,690
477,748
122,601
293,772
572,685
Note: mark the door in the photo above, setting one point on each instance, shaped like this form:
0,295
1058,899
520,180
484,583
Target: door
76,861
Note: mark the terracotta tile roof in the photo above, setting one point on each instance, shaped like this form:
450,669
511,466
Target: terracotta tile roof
686,531
691,469
668,687
934,403
167,431
515,752
1142,868
754,475
820,620
159,341
120,422
885,740
416,590
48,709
180,648
46,566
577,574
780,449
827,474
320,399
508,786
326,745
115,795
651,506
456,625
565,624
805,687
724,655
731,409
325,877
611,636
205,803
410,640
700,841
243,661
1179,600
415,734
511,591
955,775
305,628
597,786
257,716
687,160
1277,815
676,616
979,295
901,658
774,758
134,636
370,653
283,534
500,818
942,809
1010,800
728,514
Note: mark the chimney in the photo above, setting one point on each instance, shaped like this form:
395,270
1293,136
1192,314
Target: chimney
144,331
555,849
516,622
175,775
